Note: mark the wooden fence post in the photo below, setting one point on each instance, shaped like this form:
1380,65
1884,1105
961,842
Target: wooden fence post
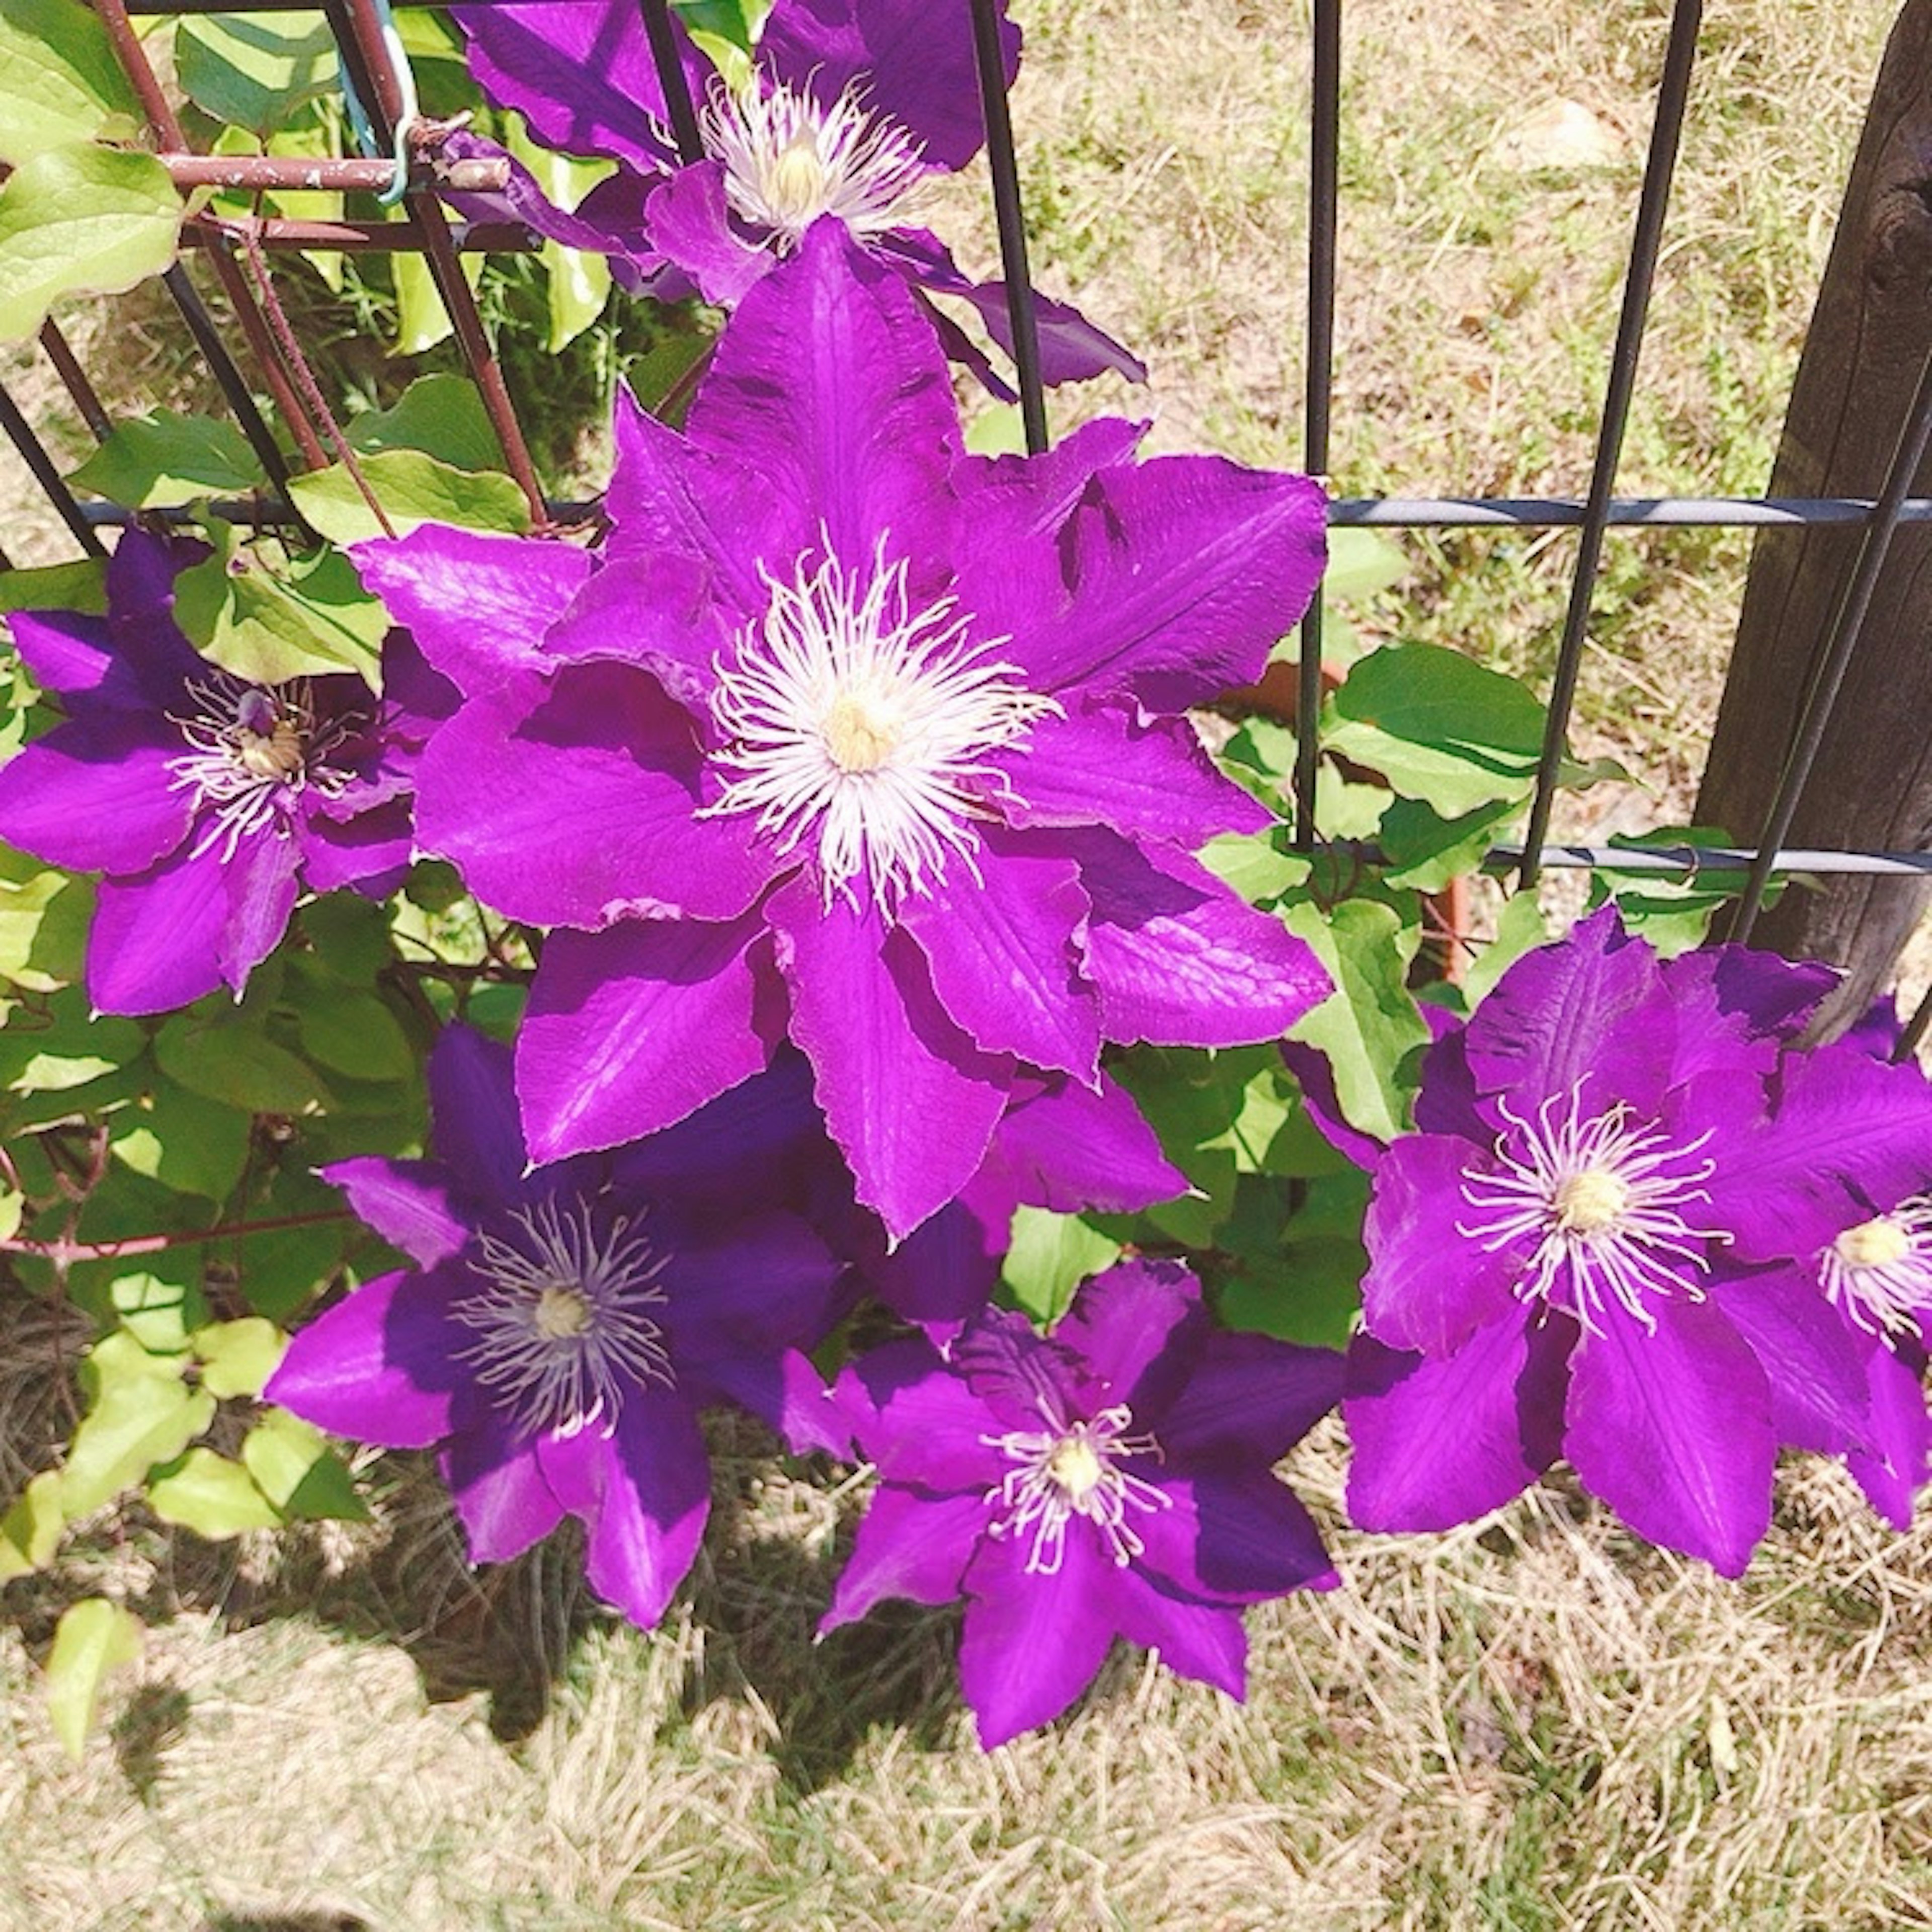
1871,787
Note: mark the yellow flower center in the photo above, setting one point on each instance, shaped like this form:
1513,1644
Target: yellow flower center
859,735
276,753
563,1311
795,187
1076,1468
1590,1201
1875,1244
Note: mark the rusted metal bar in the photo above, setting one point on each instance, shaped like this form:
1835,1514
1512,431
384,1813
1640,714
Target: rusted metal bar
359,33
74,379
134,59
387,238
285,174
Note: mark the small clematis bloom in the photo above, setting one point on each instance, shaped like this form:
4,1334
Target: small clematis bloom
848,736
562,1327
1567,1258
206,801
1112,1479
851,109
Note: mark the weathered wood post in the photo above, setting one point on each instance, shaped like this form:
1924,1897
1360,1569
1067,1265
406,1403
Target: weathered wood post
1871,787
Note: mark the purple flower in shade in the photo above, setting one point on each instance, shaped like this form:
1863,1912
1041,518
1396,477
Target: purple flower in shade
851,108
563,1326
206,801
1110,1480
1568,1258
847,734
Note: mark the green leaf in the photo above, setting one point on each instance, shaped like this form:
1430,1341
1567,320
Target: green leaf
92,1637
142,1414
81,220
59,81
1425,851
298,1471
168,458
237,1357
254,70
183,1140
269,622
1369,1024
160,1305
441,416
1258,867
413,489
1297,1276
350,937
12,1212
349,1030
997,431
577,284
422,320
30,1531
1673,910
1359,563
1050,1255
79,586
234,1062
211,1495
44,916
65,1045
1437,726
1519,926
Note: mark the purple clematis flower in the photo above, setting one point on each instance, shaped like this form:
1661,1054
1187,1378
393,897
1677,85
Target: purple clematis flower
1568,1258
1110,1480
848,735
851,108
206,801
563,1326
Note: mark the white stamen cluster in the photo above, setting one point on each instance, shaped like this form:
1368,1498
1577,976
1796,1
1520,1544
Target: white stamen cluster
1880,1271
562,1326
1068,1470
1605,1202
853,718
788,159
252,748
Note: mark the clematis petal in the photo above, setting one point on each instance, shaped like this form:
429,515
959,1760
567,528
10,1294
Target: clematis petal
98,795
1820,1395
1673,1430
1001,949
409,1203
1741,1005
1439,1443
496,1482
1124,1321
472,1105
258,884
156,939
784,1390
690,221
1249,1400
1067,1148
1232,1536
1893,1473
375,1366
630,1029
920,1424
909,1100
1179,959
1032,1643
73,652
764,1281
1192,1639
573,802
908,1545
477,605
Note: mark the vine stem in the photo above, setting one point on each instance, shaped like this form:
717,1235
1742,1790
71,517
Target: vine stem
64,1253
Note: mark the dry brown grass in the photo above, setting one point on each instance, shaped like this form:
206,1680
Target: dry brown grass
1534,1724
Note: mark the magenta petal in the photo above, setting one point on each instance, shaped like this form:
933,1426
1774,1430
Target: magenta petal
1068,1149
1181,961
156,939
1002,956
1232,1538
785,1392
630,1029
97,797
908,1545
260,884
1440,1443
1892,1478
575,803
1673,1430
919,1423
1032,1643
370,853
68,651
407,1202
370,1367
643,1494
1250,1398
690,223
1126,1318
1192,1639
497,1484
1820,1396
477,605
1152,778
909,1100
1427,1288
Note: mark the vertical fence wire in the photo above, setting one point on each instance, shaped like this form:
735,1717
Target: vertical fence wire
74,379
671,79
46,473
1324,191
1672,93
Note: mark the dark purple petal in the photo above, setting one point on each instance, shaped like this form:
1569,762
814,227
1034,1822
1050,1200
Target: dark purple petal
1441,1443
497,1484
1032,1643
1192,1639
477,605
1003,955
941,1274
573,802
1428,1287
1739,1005
913,61
1232,1537
1673,1430
408,1202
1179,959
762,1284
909,1100
643,1494
97,796
374,1367
1820,1396
1067,1148
1123,1320
1250,1399
473,1126
630,1029
370,852
1892,1478
785,1392
908,1545
157,940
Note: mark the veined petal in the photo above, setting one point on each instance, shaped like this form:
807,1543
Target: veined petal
1249,1400
96,796
1232,1536
158,937
258,882
408,1202
496,1482
690,222
1130,1317
1068,1148
1820,1392
1032,1643
919,1422
1193,1640
908,1545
